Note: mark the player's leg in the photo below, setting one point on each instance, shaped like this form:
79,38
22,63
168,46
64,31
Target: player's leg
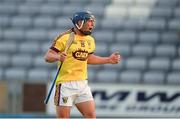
63,111
87,109
62,101
85,102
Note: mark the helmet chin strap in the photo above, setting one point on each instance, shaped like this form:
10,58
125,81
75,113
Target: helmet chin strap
83,32
79,27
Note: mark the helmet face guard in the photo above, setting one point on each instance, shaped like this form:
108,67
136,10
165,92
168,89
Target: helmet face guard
82,16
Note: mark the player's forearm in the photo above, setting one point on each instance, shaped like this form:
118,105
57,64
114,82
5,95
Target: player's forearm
93,59
51,57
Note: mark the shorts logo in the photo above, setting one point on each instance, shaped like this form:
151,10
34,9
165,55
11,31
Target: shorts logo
65,99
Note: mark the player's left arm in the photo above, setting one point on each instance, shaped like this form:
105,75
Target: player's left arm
114,58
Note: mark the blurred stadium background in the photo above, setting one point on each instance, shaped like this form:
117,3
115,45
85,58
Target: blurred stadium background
145,32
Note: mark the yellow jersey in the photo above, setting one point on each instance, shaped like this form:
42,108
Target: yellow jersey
74,67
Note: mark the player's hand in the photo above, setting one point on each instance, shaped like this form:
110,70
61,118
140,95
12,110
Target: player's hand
114,58
62,56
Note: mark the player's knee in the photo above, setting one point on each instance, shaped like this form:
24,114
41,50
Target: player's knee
63,112
90,115
62,115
